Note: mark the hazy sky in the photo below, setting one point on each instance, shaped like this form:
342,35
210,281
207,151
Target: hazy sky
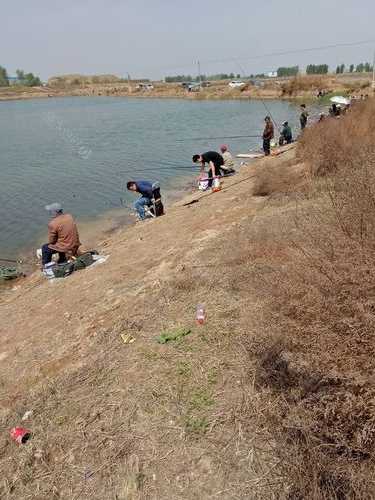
153,38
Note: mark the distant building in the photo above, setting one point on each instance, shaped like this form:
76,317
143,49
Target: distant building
13,80
272,74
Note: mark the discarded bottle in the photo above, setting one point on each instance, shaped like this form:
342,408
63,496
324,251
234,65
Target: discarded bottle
200,317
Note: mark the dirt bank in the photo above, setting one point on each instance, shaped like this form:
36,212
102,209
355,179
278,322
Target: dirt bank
141,420
272,398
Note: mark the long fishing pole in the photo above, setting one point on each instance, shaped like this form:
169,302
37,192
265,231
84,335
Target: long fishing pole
270,114
216,176
155,170
11,261
214,138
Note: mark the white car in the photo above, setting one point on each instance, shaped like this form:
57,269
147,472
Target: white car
145,86
235,84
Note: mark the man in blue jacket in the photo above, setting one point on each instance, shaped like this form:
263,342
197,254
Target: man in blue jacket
144,188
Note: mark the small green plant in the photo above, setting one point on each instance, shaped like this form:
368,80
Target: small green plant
200,399
212,375
196,425
183,369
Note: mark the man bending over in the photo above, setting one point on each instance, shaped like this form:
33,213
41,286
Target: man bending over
214,161
144,188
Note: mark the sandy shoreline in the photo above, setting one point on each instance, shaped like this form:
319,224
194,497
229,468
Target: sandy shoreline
94,230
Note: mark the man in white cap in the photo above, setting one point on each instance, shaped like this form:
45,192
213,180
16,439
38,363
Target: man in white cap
63,235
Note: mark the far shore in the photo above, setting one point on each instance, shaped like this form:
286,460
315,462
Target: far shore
300,88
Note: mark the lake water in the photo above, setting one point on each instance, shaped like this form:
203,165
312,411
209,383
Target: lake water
81,151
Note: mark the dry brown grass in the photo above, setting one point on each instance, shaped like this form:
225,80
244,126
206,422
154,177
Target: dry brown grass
315,350
305,83
283,178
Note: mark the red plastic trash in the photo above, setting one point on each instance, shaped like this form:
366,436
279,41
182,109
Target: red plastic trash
20,435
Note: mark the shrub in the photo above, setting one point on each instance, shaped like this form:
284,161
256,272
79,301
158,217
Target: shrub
316,354
304,83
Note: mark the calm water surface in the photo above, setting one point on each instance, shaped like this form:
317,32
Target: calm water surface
80,152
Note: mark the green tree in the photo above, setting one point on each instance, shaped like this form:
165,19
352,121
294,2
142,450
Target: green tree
4,82
317,69
351,68
20,75
337,70
27,79
360,68
288,71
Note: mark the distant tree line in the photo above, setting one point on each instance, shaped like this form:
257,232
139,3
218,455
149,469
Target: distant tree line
317,69
361,68
189,78
288,71
311,69
26,79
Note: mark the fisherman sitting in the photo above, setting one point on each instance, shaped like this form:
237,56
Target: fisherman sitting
285,135
215,163
150,196
228,166
63,237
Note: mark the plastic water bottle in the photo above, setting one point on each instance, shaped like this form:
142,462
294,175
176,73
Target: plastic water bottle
200,317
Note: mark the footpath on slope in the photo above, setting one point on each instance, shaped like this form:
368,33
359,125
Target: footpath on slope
142,420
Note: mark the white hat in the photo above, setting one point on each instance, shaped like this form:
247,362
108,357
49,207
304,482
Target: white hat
54,207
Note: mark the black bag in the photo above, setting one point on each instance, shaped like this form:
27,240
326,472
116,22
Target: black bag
159,208
63,270
83,261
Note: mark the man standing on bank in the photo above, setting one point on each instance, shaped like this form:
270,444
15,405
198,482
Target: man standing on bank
268,135
303,117
214,161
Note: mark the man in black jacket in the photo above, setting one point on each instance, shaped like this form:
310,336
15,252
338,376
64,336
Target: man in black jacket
214,161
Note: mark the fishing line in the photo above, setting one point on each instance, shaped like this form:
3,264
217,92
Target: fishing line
214,138
216,176
270,114
11,261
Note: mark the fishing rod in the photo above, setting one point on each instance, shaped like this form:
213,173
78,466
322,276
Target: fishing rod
216,177
11,261
154,171
270,114
214,138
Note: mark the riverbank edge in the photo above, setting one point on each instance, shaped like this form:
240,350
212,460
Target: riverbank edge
195,97
96,228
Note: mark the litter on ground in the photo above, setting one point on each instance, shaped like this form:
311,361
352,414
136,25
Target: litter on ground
20,435
127,339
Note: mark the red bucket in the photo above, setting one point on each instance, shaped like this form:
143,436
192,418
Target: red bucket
20,435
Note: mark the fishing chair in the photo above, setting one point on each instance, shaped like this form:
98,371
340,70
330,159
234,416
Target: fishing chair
156,208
